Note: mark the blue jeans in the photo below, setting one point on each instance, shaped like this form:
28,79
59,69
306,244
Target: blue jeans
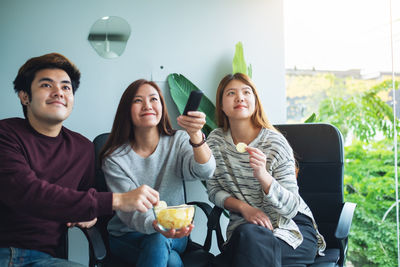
148,250
18,257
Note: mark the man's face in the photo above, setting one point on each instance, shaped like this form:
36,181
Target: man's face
52,97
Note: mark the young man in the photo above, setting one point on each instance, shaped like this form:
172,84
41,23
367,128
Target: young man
46,170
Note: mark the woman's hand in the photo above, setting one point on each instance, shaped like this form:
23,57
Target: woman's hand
172,233
256,216
87,224
193,123
258,163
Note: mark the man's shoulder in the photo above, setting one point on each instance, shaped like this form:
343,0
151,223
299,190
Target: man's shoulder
12,123
14,128
77,137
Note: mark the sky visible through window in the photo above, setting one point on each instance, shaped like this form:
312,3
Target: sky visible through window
341,34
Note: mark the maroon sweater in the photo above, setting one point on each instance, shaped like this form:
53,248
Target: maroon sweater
45,183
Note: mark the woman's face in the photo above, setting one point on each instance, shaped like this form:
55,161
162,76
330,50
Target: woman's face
238,101
146,109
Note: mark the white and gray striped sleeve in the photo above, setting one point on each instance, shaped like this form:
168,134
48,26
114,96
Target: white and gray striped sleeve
283,194
216,193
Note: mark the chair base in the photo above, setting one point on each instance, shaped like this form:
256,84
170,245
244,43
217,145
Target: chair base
196,256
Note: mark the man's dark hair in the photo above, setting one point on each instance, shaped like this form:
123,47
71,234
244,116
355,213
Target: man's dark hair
27,72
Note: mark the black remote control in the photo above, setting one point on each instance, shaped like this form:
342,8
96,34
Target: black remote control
193,101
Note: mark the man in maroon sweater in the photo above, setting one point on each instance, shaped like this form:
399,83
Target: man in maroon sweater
46,170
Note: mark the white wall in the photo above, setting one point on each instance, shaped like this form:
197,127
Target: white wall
194,38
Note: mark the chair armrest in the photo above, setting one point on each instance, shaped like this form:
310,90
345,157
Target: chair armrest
203,206
97,249
345,219
213,224
343,230
206,208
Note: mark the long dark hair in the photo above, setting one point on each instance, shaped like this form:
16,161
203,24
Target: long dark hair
122,131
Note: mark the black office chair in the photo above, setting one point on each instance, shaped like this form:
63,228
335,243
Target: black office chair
318,149
97,250
195,255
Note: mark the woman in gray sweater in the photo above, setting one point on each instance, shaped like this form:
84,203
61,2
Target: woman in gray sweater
144,149
270,224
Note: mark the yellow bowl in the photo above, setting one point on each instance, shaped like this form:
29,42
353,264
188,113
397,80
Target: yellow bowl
174,217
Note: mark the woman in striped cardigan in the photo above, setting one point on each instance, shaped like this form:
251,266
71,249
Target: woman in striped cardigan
269,224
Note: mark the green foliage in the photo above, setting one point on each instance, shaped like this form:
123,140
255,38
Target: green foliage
306,91
239,63
180,88
369,172
363,114
369,183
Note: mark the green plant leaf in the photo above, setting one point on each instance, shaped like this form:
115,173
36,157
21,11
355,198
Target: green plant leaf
311,119
180,88
238,62
250,70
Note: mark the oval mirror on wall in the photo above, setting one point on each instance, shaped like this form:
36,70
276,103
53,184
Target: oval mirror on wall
109,36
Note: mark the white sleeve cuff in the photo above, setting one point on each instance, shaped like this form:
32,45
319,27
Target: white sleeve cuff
220,198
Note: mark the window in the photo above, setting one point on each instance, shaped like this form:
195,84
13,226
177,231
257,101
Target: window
338,60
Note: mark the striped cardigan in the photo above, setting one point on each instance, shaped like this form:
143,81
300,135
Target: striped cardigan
233,177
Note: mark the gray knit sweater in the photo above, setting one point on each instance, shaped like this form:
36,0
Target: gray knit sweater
163,170
234,177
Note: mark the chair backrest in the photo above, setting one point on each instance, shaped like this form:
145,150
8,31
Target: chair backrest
62,249
99,142
318,149
101,186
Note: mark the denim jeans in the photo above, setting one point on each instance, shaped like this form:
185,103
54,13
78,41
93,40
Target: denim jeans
18,257
154,250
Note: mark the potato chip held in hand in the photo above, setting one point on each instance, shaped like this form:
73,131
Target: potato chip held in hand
241,147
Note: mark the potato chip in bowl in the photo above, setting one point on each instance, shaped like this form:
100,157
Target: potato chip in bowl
173,217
